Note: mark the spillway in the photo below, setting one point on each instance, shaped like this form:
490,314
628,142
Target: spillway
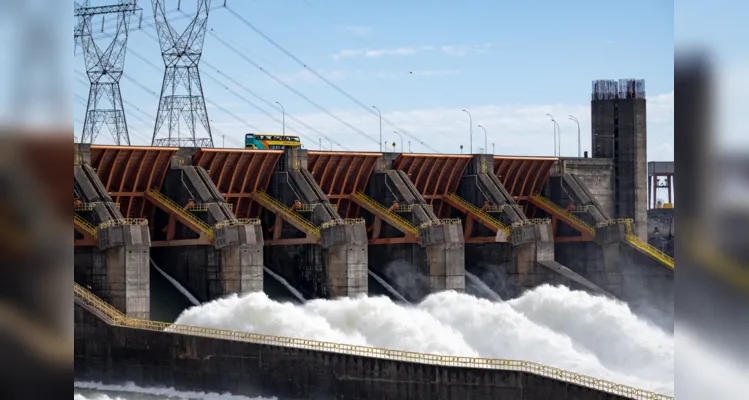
572,330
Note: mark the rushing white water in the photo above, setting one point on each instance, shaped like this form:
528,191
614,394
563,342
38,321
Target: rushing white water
550,325
286,284
485,290
387,287
177,285
98,391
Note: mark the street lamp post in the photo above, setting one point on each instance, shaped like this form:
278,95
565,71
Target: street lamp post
493,152
401,136
223,141
409,146
578,135
319,141
283,118
555,132
486,148
331,144
380,114
470,121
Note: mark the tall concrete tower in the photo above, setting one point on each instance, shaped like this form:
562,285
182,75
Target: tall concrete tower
619,132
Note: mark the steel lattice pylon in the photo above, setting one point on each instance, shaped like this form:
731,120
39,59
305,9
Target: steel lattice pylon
182,91
104,70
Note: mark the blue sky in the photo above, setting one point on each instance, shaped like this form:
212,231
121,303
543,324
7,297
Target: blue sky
421,62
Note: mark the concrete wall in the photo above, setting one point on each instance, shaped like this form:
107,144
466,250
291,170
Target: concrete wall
597,175
148,358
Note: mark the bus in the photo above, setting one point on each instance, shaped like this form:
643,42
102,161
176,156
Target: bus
261,141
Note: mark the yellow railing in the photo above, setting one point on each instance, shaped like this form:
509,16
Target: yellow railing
177,209
122,222
239,221
85,225
581,209
646,247
311,207
205,206
495,208
406,208
116,318
567,216
626,221
277,207
344,221
444,221
391,217
532,221
90,206
478,213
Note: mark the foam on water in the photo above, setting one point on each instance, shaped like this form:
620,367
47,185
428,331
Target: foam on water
130,391
555,326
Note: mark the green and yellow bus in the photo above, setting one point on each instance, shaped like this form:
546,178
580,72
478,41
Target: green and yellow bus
262,141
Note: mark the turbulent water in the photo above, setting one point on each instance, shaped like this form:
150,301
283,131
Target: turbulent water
555,326
97,391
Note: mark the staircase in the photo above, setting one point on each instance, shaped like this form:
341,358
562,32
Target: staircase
388,216
278,208
480,215
650,250
168,205
568,218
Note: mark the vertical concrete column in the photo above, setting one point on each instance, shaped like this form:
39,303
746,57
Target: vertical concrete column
345,255
611,269
445,250
241,252
127,281
532,243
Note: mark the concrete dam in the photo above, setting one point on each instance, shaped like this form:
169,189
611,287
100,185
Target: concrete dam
403,275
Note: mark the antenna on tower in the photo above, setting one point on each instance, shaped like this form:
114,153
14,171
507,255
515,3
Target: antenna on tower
104,70
182,91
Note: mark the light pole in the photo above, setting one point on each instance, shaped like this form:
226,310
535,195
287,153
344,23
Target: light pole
331,144
223,141
486,148
493,152
555,132
320,143
470,121
380,114
283,118
401,136
409,146
578,135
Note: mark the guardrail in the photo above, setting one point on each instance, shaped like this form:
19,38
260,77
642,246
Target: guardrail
239,221
444,221
177,209
90,206
646,247
626,221
532,221
205,206
123,222
86,226
481,215
391,217
276,206
564,214
406,208
116,318
311,207
344,221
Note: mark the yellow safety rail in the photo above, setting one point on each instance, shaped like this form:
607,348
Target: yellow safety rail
649,249
565,215
205,206
90,206
122,222
85,226
495,208
378,209
114,317
311,207
445,221
476,212
177,209
239,221
345,221
532,221
279,208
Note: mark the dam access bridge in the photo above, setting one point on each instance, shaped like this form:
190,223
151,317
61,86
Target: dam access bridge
215,218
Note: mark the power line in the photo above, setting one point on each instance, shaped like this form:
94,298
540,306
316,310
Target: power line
287,86
331,84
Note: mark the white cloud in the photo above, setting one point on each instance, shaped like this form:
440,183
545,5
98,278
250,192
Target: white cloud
514,129
453,50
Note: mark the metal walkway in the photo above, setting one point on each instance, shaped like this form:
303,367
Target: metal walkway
285,213
478,214
386,215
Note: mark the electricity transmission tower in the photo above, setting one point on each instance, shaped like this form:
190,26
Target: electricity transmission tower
78,31
104,70
182,91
